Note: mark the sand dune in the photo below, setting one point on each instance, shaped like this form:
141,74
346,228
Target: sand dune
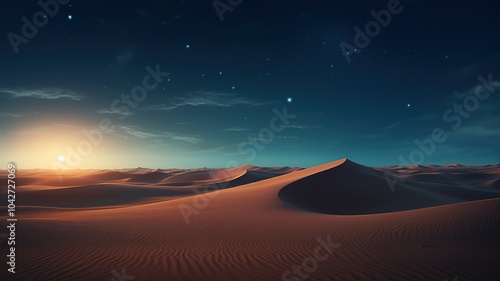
493,184
439,223
99,195
150,177
354,189
205,176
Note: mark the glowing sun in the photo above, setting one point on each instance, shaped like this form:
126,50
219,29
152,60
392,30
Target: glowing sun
60,158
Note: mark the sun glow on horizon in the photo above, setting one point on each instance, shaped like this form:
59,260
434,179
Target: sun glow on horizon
61,158
46,144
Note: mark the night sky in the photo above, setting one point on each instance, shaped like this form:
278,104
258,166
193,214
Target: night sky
184,84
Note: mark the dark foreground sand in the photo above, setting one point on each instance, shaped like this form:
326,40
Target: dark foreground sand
337,221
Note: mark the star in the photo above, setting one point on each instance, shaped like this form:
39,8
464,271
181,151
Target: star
233,88
289,99
409,105
187,46
70,17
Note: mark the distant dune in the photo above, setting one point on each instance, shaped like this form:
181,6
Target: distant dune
252,223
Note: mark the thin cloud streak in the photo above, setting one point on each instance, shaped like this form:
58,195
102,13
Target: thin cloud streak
117,112
13,115
206,99
50,94
236,129
132,131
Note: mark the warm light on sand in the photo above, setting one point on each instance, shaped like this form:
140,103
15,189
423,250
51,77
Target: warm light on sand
321,220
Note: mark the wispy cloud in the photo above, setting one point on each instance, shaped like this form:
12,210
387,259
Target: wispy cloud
236,129
206,99
287,137
158,135
50,128
139,133
184,138
479,87
50,94
125,55
13,115
31,131
301,127
117,112
423,117
282,137
478,131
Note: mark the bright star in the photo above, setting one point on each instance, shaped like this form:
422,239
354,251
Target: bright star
289,99
70,17
187,46
409,105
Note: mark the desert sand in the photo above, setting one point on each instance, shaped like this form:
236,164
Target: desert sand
336,221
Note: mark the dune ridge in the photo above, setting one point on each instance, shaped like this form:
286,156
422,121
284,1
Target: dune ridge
265,221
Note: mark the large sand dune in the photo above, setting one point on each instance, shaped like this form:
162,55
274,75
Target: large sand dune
251,223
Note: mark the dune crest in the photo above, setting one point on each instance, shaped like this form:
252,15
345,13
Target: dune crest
351,188
260,223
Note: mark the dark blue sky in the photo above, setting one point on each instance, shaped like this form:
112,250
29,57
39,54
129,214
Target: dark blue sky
228,83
